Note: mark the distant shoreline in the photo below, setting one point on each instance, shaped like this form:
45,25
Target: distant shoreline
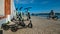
45,16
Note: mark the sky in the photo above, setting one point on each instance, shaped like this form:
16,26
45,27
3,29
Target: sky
38,6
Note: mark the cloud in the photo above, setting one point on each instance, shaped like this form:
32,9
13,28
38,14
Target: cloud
31,1
17,1
44,2
24,1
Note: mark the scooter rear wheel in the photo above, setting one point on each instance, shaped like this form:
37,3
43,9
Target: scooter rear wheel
14,29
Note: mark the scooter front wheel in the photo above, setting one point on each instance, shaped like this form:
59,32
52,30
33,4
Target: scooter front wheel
30,25
5,27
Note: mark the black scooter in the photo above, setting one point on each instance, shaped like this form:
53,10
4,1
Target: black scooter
16,26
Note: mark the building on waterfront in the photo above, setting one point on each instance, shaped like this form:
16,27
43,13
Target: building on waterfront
7,10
